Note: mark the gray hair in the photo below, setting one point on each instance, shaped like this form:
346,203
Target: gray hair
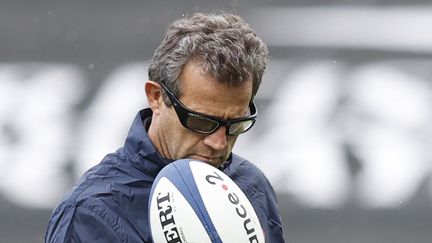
223,45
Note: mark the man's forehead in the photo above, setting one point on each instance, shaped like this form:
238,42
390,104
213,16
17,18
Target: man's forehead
231,78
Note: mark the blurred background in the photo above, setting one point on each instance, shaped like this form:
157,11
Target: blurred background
344,131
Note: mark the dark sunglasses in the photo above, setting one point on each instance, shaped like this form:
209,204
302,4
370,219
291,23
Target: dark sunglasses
205,124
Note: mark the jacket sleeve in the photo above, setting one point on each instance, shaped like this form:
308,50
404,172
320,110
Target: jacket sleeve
87,222
274,229
260,192
263,199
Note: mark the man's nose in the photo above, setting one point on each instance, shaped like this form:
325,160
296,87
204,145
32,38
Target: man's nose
217,140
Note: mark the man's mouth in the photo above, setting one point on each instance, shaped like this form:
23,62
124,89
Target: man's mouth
207,159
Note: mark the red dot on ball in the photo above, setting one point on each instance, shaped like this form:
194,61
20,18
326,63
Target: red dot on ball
224,187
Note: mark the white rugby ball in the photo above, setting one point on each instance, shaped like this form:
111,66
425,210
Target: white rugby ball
194,202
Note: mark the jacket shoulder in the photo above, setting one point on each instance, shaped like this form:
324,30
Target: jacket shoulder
248,175
110,199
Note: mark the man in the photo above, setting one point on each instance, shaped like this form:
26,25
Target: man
203,79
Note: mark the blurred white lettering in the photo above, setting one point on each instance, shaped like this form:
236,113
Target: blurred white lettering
36,121
382,113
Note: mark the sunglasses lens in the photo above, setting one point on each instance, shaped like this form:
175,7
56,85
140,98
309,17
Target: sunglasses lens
240,127
201,124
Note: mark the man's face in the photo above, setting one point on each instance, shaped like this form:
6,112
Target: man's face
206,95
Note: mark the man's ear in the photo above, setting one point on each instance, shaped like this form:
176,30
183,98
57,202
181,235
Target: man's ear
154,96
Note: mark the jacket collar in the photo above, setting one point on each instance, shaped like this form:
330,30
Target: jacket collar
139,149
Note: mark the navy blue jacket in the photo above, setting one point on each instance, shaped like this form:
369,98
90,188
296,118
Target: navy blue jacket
110,202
